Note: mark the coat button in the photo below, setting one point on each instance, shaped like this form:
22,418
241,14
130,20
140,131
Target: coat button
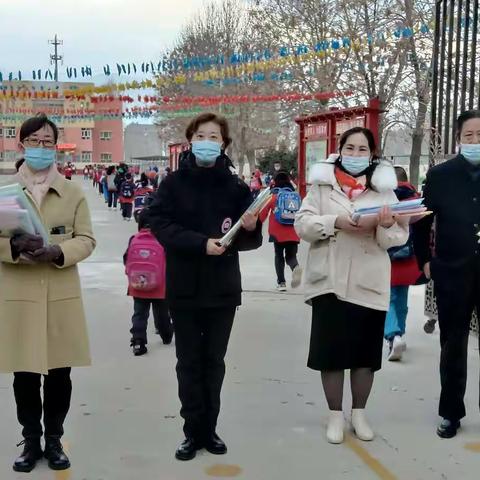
474,199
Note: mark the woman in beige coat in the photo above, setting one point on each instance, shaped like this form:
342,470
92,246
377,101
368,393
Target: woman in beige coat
42,322
347,278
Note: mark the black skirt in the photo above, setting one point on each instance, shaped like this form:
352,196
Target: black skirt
345,336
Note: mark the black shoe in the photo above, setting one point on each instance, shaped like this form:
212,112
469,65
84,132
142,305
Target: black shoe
57,460
216,445
168,340
32,452
139,348
187,449
448,428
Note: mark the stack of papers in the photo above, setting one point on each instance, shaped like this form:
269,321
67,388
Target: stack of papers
18,215
407,208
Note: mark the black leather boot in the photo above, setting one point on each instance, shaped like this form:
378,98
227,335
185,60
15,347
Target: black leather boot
214,444
32,452
57,460
188,449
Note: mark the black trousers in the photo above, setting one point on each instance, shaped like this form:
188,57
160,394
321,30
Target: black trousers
285,252
201,338
112,199
457,294
127,209
161,317
57,392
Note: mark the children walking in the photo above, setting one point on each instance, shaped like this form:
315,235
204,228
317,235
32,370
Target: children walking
282,208
145,263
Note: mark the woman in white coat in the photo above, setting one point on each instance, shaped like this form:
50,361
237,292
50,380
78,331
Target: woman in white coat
347,278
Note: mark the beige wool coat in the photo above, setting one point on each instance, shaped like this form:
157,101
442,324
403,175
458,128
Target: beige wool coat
355,267
42,320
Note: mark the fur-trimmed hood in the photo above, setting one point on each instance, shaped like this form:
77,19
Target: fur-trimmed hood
383,178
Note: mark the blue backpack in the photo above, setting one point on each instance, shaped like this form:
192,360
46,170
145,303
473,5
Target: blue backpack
287,205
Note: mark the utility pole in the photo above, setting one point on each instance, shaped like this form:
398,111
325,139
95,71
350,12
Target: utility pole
55,58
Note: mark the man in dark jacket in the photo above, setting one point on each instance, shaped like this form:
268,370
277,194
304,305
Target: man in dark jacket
452,193
193,208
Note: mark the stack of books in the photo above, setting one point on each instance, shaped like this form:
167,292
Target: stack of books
407,208
18,215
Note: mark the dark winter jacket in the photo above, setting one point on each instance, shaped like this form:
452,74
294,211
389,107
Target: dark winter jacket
192,205
452,192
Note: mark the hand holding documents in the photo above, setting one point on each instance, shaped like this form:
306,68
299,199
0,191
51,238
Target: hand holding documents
17,215
258,204
407,208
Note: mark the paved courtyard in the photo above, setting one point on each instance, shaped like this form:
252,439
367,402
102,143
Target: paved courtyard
124,422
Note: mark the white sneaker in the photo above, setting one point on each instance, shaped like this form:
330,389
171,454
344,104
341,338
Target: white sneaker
360,425
398,346
297,276
336,426
281,287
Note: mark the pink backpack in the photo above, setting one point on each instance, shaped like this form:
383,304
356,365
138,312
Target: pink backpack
146,263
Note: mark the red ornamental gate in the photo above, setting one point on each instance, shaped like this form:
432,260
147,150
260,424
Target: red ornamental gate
319,134
175,150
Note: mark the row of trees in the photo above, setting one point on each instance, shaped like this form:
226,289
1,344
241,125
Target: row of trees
397,71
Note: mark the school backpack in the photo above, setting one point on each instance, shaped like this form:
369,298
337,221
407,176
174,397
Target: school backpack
127,190
287,205
145,266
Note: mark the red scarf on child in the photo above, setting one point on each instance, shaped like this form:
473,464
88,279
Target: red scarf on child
350,185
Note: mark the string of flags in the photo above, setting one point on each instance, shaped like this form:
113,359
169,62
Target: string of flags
167,66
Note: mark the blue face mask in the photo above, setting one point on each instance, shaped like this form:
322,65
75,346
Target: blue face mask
355,165
206,152
471,152
39,158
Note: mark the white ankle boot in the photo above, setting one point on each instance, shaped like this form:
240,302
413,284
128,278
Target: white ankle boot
336,425
360,425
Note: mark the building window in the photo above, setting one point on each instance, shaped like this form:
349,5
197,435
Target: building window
10,156
10,132
105,135
1,134
105,157
86,133
1,156
86,157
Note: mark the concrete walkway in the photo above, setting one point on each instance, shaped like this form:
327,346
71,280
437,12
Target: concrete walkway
124,422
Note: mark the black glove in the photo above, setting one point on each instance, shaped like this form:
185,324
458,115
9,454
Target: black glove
25,243
48,254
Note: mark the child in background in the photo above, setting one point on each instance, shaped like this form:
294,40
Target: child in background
142,191
127,195
405,272
144,263
282,232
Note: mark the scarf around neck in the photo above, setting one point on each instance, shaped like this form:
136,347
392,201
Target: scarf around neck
349,185
38,183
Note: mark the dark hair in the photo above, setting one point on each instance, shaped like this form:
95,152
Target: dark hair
19,163
34,124
281,178
464,117
144,179
401,174
110,169
128,175
368,134
194,125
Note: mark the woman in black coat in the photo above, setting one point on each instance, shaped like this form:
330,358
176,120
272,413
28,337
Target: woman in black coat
194,207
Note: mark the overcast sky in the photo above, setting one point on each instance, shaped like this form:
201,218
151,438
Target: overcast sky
95,32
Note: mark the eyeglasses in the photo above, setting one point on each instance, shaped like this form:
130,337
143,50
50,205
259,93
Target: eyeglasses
35,142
